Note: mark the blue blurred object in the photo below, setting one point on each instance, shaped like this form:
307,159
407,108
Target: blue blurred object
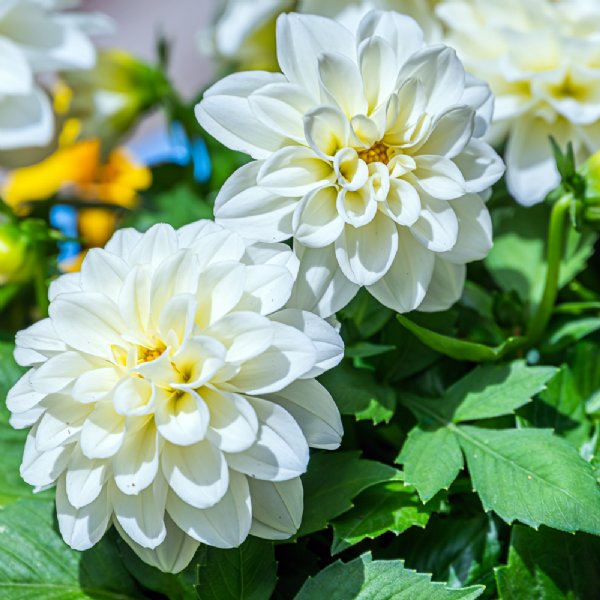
173,146
64,218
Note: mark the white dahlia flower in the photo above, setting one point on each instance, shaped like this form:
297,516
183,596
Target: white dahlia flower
368,153
542,62
36,38
173,395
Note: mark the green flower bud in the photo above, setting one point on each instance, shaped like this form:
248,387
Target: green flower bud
17,257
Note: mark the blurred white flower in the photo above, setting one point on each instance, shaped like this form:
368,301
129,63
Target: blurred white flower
244,30
172,394
542,61
368,153
35,38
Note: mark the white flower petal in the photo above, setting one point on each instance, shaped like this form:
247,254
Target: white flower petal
84,479
404,286
280,452
301,39
276,508
314,410
437,227
103,272
321,286
474,239
61,423
446,286
224,525
316,220
59,372
403,203
226,114
327,130
233,422
103,432
341,83
366,253
181,416
294,171
142,516
41,469
480,166
197,474
290,356
172,555
252,211
327,341
135,465
21,396
530,167
82,528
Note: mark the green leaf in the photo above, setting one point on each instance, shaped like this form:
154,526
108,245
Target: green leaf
366,314
569,332
460,349
12,442
367,349
551,565
560,407
532,476
245,573
493,390
432,459
35,563
357,392
460,550
388,507
365,579
521,232
180,586
332,481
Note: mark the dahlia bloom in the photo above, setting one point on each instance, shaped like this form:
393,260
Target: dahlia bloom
35,37
541,60
173,395
368,152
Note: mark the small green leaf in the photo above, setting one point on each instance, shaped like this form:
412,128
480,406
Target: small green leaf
460,349
36,564
367,349
357,392
248,572
332,481
385,507
432,459
551,565
532,476
560,407
366,579
493,390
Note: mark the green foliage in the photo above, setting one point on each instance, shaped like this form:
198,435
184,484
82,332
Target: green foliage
244,573
550,564
35,563
391,507
331,483
365,579
357,392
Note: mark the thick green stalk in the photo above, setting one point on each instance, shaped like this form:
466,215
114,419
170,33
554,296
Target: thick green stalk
556,242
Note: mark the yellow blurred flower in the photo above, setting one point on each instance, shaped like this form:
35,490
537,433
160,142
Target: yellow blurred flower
78,171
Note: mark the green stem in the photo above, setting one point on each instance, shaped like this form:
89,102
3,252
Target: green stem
40,287
556,242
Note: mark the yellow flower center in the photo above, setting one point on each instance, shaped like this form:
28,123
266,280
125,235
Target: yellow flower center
379,152
149,354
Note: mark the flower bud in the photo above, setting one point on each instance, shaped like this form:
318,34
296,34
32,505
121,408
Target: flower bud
589,202
16,254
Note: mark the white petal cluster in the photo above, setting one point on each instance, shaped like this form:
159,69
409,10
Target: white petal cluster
172,394
542,61
35,38
244,30
368,153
